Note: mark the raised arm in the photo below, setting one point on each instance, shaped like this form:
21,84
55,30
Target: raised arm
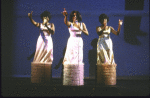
119,28
65,19
32,21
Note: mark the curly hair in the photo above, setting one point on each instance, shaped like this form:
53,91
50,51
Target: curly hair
46,14
79,18
102,17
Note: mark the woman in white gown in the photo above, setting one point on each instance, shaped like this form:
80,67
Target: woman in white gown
44,46
104,45
74,50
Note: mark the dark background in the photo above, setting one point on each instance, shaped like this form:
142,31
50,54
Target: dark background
19,36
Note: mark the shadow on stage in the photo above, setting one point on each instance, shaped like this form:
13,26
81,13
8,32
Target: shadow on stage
23,87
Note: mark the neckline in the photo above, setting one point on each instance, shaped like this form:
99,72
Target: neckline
75,26
106,29
47,25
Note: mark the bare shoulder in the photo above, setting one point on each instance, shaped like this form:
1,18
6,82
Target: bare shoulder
111,27
83,23
52,24
68,23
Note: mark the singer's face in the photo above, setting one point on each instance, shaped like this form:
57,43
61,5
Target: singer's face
105,22
45,19
74,17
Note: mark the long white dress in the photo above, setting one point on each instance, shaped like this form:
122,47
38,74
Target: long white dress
105,43
73,72
44,47
74,50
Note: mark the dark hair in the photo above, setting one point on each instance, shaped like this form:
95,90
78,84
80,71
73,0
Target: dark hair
102,17
46,14
79,18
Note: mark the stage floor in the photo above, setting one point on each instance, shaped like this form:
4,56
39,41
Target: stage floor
23,87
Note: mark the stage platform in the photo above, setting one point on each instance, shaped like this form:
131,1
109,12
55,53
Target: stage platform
21,87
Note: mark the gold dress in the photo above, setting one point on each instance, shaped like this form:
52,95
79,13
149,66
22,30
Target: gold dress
105,43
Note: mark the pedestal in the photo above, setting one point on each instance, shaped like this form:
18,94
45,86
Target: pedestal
106,74
41,72
73,75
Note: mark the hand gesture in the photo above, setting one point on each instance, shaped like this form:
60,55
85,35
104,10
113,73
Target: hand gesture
64,12
30,14
79,27
120,22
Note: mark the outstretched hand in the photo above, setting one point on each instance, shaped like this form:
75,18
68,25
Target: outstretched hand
120,22
30,14
64,12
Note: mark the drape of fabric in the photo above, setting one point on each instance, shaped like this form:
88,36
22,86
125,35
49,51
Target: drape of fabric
44,46
74,49
105,44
